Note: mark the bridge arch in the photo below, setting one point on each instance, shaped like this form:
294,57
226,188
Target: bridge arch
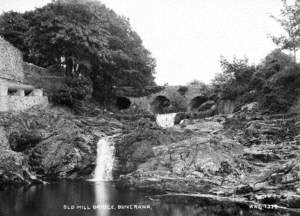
159,104
123,103
196,102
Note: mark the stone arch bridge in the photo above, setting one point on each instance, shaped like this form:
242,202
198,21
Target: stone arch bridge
165,99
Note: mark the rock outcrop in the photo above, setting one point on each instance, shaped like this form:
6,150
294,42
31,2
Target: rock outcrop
49,144
245,154
14,170
136,145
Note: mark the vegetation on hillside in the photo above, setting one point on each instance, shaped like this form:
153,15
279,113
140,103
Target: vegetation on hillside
97,50
275,82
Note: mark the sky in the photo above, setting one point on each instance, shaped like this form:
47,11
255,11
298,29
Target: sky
188,37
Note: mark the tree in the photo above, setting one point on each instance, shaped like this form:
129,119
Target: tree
85,38
234,79
13,27
289,20
273,63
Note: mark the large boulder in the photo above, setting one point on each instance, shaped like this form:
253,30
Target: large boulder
198,154
136,148
64,157
198,162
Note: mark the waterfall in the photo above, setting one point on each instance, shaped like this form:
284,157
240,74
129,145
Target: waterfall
105,160
166,120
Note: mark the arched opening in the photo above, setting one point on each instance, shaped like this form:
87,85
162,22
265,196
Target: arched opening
123,103
196,102
182,90
28,92
12,91
159,104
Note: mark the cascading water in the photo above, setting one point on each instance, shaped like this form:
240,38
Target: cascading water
166,120
103,173
105,160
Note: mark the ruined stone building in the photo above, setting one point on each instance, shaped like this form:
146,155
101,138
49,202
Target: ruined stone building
15,95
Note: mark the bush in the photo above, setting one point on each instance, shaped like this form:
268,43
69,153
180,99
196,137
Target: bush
281,90
235,78
289,77
81,88
249,97
62,96
257,81
75,89
277,101
274,83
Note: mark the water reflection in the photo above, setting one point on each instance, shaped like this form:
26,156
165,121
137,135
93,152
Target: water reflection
102,199
57,200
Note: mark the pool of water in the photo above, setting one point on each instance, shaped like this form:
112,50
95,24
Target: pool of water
84,198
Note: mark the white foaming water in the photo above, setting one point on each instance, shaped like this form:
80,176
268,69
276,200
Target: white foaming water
166,120
105,160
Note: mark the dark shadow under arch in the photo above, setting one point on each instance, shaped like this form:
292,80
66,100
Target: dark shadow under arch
196,102
123,103
159,104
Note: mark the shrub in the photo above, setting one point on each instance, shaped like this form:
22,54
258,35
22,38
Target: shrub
62,96
289,77
276,101
281,90
274,83
75,89
81,88
235,78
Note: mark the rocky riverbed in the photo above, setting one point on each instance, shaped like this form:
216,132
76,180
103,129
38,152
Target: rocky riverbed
246,155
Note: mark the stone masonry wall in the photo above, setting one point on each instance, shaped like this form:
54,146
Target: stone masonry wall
41,78
20,103
171,93
141,102
11,62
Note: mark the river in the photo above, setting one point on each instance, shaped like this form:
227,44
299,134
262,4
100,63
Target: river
166,120
86,198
